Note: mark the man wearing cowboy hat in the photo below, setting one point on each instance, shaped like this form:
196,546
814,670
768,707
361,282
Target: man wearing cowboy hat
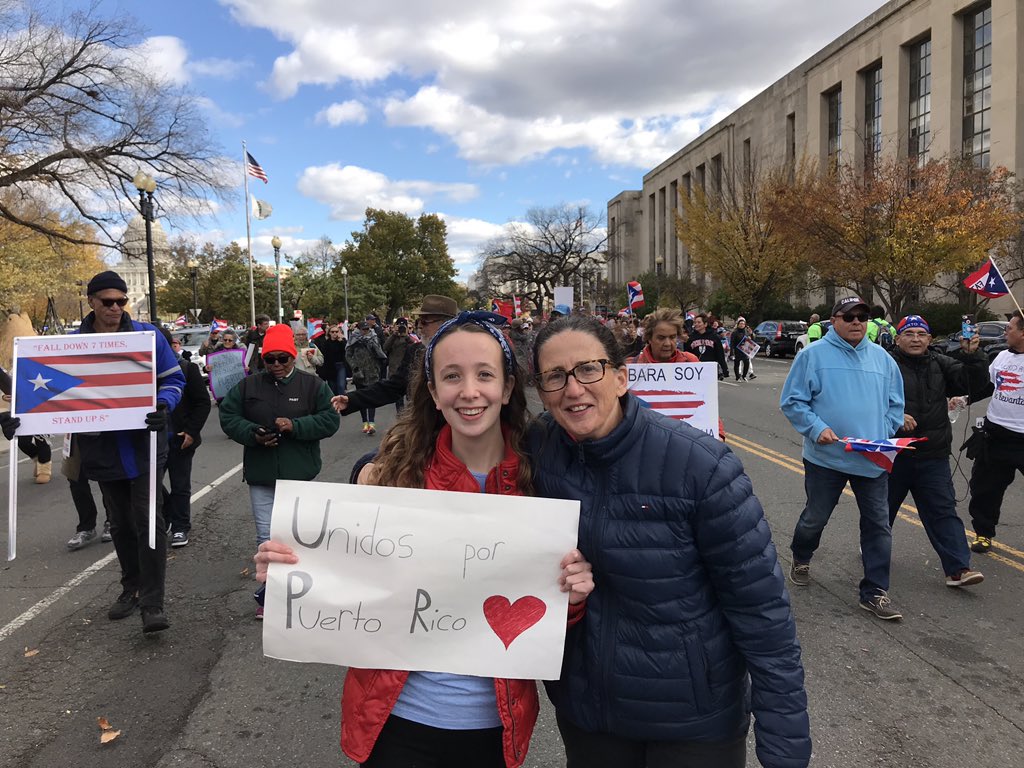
433,311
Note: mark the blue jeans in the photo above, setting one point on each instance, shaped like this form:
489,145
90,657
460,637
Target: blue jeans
823,487
931,484
262,498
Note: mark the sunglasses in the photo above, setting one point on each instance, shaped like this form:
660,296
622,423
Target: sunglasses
859,317
276,359
111,302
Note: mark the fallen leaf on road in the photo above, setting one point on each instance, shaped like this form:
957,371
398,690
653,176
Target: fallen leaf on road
29,654
107,732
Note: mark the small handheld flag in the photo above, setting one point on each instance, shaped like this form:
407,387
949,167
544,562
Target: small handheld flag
253,168
218,325
635,294
987,281
180,321
880,452
314,328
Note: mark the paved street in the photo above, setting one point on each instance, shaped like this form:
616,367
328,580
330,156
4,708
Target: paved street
944,688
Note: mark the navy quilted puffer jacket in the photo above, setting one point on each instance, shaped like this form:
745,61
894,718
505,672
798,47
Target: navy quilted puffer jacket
689,628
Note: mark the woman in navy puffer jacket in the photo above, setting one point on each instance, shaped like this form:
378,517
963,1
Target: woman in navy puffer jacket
689,628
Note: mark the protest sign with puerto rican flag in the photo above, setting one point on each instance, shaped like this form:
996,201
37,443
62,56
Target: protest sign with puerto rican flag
685,391
880,452
93,382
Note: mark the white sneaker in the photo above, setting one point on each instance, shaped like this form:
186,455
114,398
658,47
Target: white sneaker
81,538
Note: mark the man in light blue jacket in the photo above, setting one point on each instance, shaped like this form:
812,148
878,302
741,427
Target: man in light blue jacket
845,387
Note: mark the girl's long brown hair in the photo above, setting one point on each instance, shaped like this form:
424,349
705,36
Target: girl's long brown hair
408,447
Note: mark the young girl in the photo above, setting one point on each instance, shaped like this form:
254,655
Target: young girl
461,431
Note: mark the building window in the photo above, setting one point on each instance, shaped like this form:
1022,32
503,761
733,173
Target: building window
688,186
872,117
791,144
978,86
920,133
748,167
834,103
716,173
702,181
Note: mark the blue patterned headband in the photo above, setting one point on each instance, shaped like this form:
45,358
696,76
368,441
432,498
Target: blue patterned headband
486,320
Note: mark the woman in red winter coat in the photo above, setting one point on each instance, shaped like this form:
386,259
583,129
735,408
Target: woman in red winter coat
462,431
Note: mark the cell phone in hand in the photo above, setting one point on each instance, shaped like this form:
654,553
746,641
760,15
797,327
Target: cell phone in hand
967,328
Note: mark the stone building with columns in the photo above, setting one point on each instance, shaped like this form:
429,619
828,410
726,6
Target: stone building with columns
133,266
917,77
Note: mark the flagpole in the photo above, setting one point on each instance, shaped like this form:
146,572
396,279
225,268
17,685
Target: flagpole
1008,290
248,236
12,501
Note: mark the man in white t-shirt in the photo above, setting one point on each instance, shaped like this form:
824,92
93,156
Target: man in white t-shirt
1003,454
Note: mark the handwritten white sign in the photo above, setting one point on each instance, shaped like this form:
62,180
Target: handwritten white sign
395,578
227,368
686,391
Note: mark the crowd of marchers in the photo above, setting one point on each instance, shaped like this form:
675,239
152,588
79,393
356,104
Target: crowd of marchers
679,632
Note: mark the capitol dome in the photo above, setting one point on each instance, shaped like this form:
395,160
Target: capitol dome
133,242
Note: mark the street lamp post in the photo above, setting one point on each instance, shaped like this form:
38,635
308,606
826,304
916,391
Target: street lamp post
81,309
344,277
193,272
276,242
147,186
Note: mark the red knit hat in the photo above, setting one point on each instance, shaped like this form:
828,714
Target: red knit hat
279,338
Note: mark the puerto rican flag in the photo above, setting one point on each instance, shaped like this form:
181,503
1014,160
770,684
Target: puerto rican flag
517,302
314,327
880,452
77,382
1008,381
677,405
503,308
635,293
987,281
218,325
180,321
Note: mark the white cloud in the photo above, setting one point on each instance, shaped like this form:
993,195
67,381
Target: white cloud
348,190
342,112
493,139
467,238
169,57
508,83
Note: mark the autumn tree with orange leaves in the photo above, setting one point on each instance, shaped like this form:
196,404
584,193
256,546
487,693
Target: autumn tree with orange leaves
899,228
729,234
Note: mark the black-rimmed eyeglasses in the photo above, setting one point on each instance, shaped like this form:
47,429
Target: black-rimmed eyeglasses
589,372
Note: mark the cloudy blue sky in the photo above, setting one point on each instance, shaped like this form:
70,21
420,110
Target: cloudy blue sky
476,111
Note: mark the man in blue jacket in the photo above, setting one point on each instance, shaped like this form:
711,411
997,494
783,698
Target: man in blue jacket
119,462
845,387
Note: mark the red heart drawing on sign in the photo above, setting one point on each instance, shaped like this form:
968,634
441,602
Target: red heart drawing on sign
510,620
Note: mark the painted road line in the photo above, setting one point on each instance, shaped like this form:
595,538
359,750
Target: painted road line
765,453
17,623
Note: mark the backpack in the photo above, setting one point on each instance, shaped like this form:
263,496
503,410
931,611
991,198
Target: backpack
884,336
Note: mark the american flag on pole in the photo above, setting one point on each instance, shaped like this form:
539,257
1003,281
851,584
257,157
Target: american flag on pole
880,452
253,168
84,383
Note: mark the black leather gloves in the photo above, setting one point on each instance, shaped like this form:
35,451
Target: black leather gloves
157,420
9,424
